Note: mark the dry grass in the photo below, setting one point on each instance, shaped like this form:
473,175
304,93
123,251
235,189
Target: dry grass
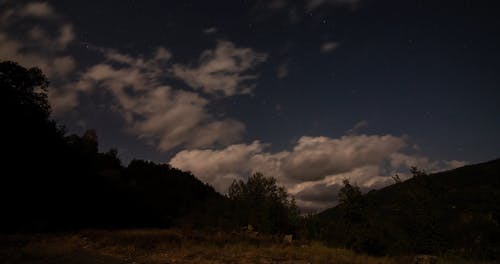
173,246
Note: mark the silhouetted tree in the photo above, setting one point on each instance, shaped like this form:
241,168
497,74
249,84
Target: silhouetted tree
396,179
263,204
24,90
32,146
416,172
349,195
356,229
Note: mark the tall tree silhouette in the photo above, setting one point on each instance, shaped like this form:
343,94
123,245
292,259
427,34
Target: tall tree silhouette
30,140
263,204
354,228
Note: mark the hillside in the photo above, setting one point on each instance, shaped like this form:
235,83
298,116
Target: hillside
456,210
55,182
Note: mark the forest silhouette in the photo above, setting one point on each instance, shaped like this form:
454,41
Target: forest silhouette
53,181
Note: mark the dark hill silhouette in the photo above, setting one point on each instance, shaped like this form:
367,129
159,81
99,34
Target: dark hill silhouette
51,181
455,210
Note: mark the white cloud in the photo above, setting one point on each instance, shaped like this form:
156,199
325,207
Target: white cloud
321,156
222,71
311,159
153,110
219,167
328,47
313,170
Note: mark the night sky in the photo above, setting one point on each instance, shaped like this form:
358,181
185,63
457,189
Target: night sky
307,91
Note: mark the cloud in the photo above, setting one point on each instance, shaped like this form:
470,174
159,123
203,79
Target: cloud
63,65
66,35
36,46
211,30
400,160
318,195
155,111
357,127
313,169
321,156
222,71
453,164
151,108
219,167
39,47
328,47
311,159
38,9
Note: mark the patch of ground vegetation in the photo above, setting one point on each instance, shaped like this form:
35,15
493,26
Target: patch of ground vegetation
177,246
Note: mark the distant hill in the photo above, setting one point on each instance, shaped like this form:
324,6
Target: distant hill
456,210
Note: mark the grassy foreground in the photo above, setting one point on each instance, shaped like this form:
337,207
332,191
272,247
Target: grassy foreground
174,246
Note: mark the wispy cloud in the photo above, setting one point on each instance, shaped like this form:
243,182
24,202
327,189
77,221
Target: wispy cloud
154,110
357,127
223,71
38,9
211,30
36,46
328,47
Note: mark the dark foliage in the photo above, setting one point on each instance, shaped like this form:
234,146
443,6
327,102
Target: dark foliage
261,203
352,227
455,212
56,182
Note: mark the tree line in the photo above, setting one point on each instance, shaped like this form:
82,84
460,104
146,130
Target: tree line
53,181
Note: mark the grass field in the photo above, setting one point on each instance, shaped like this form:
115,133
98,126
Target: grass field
174,246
